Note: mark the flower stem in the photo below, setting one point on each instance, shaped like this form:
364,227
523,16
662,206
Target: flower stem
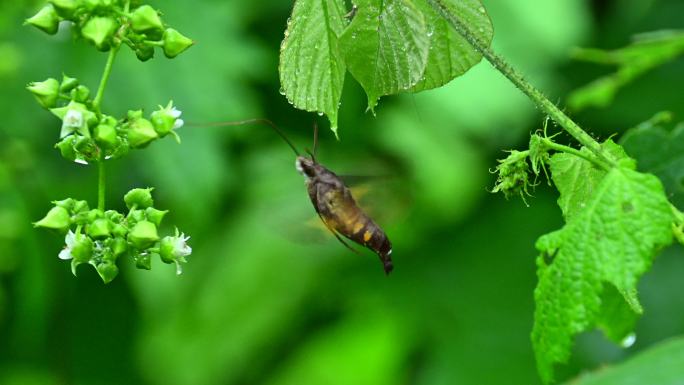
569,150
517,79
103,81
101,184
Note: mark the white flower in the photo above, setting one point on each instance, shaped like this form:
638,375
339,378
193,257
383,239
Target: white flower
178,123
181,250
176,113
73,120
70,241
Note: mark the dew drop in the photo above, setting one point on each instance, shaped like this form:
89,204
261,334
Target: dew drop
281,91
320,113
481,9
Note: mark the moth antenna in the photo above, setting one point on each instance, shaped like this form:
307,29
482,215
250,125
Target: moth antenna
315,143
251,121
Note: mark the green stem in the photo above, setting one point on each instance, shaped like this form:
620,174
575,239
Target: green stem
101,184
516,78
103,81
567,149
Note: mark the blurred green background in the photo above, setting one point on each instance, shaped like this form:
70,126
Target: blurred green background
266,299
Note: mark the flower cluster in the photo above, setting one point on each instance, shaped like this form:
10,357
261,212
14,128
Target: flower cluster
513,175
101,238
108,23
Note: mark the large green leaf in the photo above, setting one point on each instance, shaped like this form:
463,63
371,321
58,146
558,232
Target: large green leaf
386,46
659,365
611,240
311,67
576,179
660,151
450,55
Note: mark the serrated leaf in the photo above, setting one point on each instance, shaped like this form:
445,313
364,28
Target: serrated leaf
612,240
450,55
661,152
646,53
386,47
311,67
659,365
576,179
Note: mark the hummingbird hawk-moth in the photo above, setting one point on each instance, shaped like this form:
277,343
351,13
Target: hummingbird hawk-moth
334,202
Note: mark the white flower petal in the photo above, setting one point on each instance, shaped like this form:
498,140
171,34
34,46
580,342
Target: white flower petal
70,239
176,113
65,253
178,124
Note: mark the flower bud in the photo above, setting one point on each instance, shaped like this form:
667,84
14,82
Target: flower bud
99,229
82,248
107,271
57,218
139,197
119,246
46,20
166,119
135,216
68,83
66,8
119,230
80,94
46,92
66,204
141,133
144,52
145,19
81,207
86,150
143,235
105,133
99,30
155,216
175,43
114,216
66,148
94,214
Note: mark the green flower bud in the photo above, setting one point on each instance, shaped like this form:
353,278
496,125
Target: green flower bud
57,218
119,246
119,230
155,216
66,148
66,8
146,19
135,216
139,197
94,214
144,52
75,118
86,150
166,119
143,261
80,94
46,92
105,133
46,20
68,83
99,229
143,234
175,43
107,271
141,133
114,216
99,31
82,248
81,207
66,204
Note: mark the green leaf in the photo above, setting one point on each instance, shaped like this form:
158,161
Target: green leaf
659,151
646,53
386,47
311,67
576,179
612,240
449,54
659,365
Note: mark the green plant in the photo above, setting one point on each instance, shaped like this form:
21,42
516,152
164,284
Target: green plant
98,236
616,217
